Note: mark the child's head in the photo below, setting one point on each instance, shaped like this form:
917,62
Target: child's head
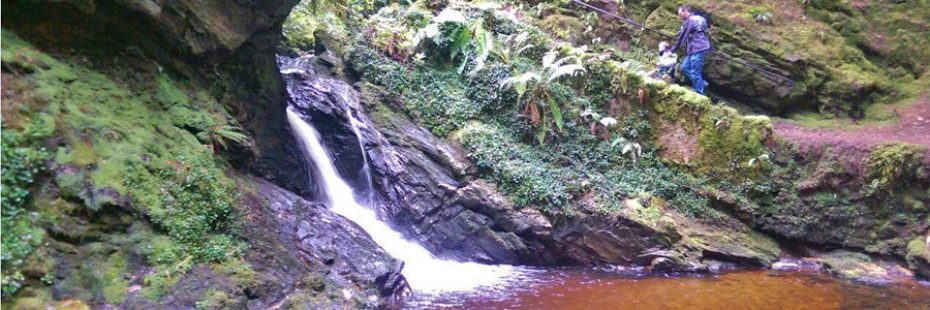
663,46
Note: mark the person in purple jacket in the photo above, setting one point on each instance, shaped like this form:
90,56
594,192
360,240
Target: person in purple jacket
694,34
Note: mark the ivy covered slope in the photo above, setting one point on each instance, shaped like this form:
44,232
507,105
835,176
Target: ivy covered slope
573,132
115,193
579,132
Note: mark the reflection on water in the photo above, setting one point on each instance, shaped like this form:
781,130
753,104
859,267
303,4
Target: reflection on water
587,289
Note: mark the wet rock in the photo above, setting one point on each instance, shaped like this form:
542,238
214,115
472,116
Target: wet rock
662,264
786,266
294,239
423,186
861,267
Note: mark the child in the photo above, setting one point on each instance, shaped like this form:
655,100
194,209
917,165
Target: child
667,61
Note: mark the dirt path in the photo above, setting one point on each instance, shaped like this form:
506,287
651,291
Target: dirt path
913,127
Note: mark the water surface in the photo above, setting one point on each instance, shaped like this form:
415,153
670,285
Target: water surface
589,289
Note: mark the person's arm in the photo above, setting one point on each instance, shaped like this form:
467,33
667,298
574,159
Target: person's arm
686,30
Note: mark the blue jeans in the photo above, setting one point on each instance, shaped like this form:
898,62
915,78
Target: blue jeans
692,67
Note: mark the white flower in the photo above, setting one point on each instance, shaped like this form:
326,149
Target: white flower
608,121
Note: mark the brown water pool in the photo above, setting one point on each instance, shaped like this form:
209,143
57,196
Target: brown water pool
589,289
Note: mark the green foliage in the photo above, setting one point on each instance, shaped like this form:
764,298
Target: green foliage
22,162
892,165
557,179
511,46
435,98
394,30
221,135
533,92
561,175
451,34
195,206
761,14
520,169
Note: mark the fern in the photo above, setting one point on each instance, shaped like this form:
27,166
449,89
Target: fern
532,87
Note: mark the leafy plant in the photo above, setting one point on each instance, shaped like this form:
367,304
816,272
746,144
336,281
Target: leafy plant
512,45
452,33
532,89
393,30
22,161
221,135
629,148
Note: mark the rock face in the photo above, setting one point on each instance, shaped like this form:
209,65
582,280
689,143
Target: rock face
811,56
422,180
304,256
414,176
429,190
227,46
837,195
293,238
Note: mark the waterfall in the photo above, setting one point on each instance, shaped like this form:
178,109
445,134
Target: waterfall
423,271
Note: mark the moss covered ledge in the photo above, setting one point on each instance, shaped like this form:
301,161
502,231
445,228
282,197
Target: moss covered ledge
730,145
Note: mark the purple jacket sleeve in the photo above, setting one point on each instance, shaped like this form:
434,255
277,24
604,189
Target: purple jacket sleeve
683,35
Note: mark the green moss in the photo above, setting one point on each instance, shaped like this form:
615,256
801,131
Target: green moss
892,165
115,278
727,140
917,250
566,28
239,271
163,279
30,299
215,299
149,141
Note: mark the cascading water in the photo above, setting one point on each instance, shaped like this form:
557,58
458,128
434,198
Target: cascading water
423,271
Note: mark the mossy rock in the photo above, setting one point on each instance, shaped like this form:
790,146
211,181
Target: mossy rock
918,256
893,165
564,27
855,266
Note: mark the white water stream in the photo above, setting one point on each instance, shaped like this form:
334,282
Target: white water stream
423,271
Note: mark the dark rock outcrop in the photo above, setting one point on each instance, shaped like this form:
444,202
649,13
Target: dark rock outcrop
424,189
293,238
